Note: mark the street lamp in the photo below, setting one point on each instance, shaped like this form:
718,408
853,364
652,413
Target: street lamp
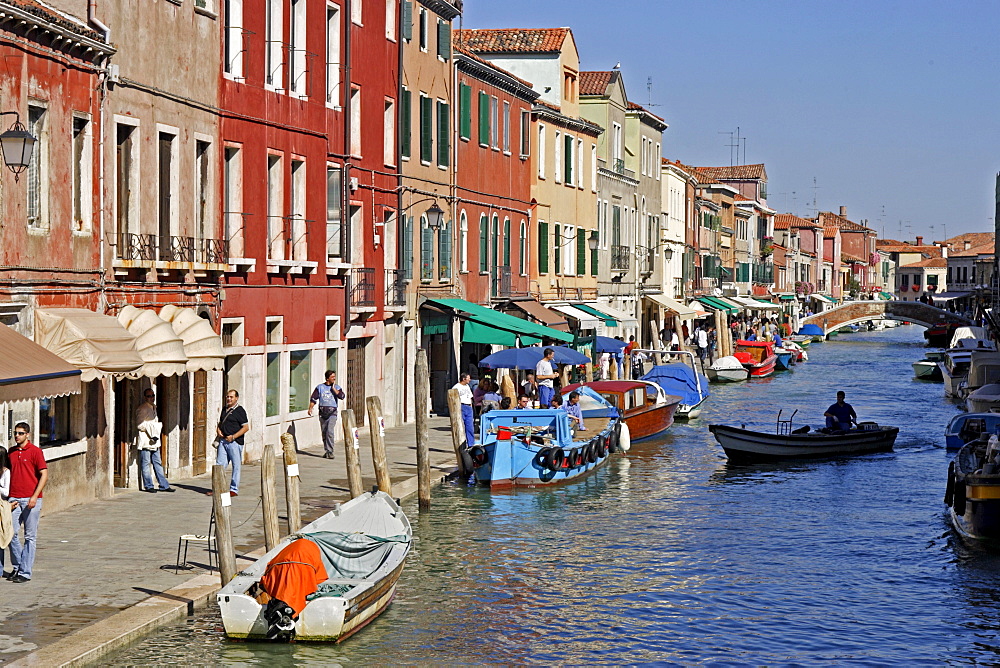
17,145
593,240
435,215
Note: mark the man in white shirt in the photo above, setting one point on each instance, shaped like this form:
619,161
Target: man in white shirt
545,375
702,341
465,395
148,433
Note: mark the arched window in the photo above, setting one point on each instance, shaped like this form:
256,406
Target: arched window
522,250
506,242
495,242
463,242
484,253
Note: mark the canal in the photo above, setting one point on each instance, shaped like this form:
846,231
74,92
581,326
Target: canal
672,555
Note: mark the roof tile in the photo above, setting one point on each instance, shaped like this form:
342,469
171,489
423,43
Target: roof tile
513,40
595,83
736,172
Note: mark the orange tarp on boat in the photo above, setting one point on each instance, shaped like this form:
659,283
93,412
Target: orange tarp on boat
294,573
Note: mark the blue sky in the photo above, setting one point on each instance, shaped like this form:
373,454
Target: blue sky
892,105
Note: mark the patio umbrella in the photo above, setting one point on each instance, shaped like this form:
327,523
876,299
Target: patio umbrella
607,344
527,358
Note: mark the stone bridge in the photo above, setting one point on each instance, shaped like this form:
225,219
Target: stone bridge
849,313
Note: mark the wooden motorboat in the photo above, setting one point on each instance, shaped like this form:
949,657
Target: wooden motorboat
973,489
746,445
927,369
967,427
645,407
939,335
727,369
758,357
354,556
801,340
682,380
530,448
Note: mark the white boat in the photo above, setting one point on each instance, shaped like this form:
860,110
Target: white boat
962,333
984,399
362,545
984,369
957,359
745,445
727,369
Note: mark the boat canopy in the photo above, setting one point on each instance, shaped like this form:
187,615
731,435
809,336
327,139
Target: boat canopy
984,368
591,402
967,333
810,330
679,380
727,362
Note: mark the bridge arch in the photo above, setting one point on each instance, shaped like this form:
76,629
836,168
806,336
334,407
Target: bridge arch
850,313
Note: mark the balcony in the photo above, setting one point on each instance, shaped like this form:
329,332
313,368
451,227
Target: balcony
362,282
644,258
395,289
620,258
169,253
500,282
562,293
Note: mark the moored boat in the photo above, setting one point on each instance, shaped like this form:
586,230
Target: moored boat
813,331
757,357
984,399
325,582
939,335
681,380
967,427
644,406
973,489
785,359
800,354
927,369
984,369
957,360
746,445
800,340
727,369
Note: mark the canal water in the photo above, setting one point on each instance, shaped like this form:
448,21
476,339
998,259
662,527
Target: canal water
672,555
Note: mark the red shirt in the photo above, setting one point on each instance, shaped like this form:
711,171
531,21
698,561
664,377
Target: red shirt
26,465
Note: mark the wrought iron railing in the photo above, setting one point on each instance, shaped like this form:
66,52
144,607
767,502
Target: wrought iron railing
215,251
644,260
619,166
136,246
152,247
363,286
620,258
395,287
177,249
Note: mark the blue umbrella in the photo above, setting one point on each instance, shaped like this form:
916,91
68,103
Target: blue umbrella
606,344
527,358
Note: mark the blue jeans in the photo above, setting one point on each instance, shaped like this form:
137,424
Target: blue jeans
834,423
22,555
470,428
230,452
145,457
545,394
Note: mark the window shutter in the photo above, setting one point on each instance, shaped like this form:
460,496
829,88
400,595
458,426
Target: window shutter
465,110
484,119
581,252
444,39
426,253
543,248
444,133
444,250
525,128
557,250
426,129
404,124
593,262
568,158
506,243
407,19
408,248
484,252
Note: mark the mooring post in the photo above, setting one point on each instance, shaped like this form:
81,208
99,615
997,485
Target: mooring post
351,450
223,529
457,428
291,483
422,390
269,500
376,429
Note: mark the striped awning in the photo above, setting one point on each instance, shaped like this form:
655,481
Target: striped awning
717,304
823,298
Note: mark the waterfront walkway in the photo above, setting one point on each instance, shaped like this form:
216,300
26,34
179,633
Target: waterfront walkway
97,559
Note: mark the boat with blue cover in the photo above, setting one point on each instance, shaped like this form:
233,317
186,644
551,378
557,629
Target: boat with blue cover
679,379
814,332
530,448
786,358
967,427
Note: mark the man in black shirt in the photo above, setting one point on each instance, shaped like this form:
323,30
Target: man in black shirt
233,425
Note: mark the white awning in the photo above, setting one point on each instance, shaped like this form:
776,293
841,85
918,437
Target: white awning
96,344
948,296
823,298
624,319
161,350
682,311
585,320
755,304
202,345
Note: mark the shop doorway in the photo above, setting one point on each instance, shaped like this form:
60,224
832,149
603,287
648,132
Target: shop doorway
356,387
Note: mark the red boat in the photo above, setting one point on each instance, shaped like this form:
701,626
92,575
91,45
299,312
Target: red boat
647,410
757,357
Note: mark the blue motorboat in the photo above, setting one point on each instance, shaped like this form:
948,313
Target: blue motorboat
529,448
683,381
967,427
786,358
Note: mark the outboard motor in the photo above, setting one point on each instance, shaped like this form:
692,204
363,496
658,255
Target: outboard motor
278,616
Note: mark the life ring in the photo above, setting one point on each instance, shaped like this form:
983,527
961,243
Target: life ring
552,458
949,490
959,500
624,438
479,456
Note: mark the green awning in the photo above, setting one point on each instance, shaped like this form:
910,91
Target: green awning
718,305
786,297
608,320
435,323
484,325
886,296
823,298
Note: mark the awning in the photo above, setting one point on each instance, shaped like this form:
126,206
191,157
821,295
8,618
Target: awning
786,298
716,304
543,315
584,320
29,371
586,308
682,311
949,296
624,318
768,305
755,304
888,297
484,325
202,345
96,344
161,350
823,298
732,302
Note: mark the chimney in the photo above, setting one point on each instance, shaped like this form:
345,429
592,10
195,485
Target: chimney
920,241
843,212
967,244
944,250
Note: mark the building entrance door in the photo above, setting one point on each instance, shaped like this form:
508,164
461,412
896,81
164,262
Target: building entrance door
355,386
199,446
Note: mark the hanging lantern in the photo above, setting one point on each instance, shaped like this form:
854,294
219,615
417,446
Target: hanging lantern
17,145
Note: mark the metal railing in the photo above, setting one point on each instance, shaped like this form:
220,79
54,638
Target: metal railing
620,258
363,286
501,281
562,293
644,260
136,246
152,247
395,287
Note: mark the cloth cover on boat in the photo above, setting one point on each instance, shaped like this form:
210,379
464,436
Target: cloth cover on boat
810,330
679,380
294,573
353,555
727,362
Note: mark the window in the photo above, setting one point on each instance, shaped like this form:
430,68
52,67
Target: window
355,121
557,163
273,384
494,123
616,225
557,249
484,248
541,151
495,242
407,27
569,159
82,190
124,182
579,164
37,185
405,119
506,127
204,228
273,64
275,219
299,380
581,251
334,211
594,256
444,251
506,242
426,250
165,189
54,419
408,247
525,136
333,56
233,66
484,119
356,6
443,39
464,111
389,132
233,196
390,19
643,158
298,209
593,168
297,45
657,157
616,145
602,223
426,129
522,250
443,133
543,247
423,29
463,243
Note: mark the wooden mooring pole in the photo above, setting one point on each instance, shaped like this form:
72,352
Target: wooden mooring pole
457,428
292,509
352,458
422,391
223,528
269,500
376,429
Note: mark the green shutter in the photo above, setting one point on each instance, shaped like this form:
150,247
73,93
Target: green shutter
557,249
426,253
426,129
444,133
581,252
444,250
407,19
484,252
484,119
465,110
408,247
405,121
568,159
506,242
444,39
593,262
543,248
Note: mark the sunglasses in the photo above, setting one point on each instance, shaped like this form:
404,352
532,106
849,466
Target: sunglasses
20,433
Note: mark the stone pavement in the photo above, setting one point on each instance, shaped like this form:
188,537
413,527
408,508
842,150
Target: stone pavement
97,559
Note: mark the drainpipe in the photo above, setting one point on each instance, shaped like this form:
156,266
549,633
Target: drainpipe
346,179
96,22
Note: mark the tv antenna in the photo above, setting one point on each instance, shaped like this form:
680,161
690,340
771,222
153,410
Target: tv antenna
815,189
735,141
649,93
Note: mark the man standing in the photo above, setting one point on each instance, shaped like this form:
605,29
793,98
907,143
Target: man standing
28,475
326,395
233,425
147,442
840,416
545,375
465,396
701,339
